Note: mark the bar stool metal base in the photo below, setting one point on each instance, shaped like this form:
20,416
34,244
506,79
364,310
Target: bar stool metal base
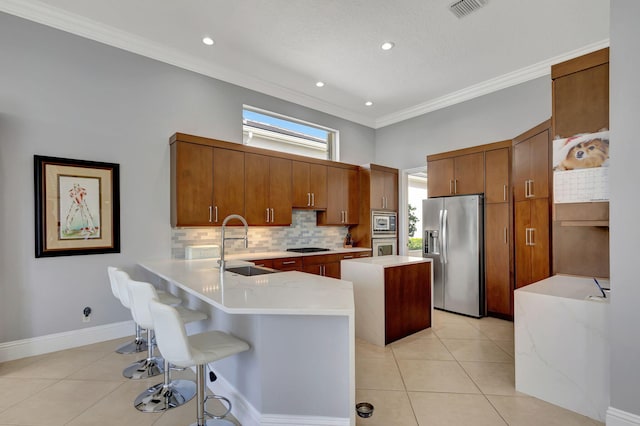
162,397
144,369
138,345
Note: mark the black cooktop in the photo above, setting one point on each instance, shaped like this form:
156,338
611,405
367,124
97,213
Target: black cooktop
308,249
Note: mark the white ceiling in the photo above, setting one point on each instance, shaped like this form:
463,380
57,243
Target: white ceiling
282,47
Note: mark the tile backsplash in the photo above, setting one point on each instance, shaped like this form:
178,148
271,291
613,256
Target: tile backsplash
303,232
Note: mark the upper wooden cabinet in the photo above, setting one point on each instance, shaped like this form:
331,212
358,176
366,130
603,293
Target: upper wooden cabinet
342,197
309,185
458,175
531,164
207,184
268,190
384,188
497,171
581,94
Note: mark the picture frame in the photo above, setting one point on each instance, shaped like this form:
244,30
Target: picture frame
77,207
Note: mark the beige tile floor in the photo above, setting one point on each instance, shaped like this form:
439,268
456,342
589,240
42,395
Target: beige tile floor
83,387
459,372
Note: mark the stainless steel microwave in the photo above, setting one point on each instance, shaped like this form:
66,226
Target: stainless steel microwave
383,224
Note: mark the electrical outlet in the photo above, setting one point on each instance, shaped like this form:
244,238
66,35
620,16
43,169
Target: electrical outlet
86,314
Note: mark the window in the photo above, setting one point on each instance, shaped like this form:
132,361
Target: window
264,129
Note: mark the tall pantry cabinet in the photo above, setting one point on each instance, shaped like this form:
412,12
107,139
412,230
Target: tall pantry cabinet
531,181
497,231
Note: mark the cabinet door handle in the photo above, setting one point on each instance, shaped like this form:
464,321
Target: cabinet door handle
289,262
532,238
531,189
267,215
505,235
313,199
308,199
455,186
383,202
348,257
273,216
526,237
526,188
209,214
346,216
216,215
451,187
504,192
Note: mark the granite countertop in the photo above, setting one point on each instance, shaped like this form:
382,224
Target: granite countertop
282,293
390,261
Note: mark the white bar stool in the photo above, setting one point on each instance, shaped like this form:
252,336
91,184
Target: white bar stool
139,344
169,393
199,350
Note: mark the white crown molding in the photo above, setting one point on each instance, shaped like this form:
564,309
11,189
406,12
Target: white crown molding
493,85
36,11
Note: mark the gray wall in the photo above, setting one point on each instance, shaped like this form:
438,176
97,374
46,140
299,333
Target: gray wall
624,229
65,96
491,118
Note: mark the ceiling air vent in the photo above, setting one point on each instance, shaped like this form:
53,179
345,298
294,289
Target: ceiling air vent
464,7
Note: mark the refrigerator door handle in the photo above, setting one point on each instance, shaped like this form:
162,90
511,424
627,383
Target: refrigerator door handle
441,236
445,245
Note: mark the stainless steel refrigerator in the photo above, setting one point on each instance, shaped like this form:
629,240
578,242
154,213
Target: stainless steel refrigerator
453,238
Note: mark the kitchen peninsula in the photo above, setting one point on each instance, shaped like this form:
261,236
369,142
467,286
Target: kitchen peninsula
392,296
301,365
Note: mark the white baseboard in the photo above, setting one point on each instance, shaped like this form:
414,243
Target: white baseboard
66,340
286,420
617,417
247,415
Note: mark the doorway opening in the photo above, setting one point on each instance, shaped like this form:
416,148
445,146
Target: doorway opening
414,190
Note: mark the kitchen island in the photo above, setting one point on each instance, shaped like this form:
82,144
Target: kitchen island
301,365
392,296
562,343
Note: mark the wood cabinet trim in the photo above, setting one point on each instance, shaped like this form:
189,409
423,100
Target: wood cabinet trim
200,140
470,150
544,126
581,63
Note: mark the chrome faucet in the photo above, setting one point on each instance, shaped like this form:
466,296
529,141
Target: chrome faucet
221,262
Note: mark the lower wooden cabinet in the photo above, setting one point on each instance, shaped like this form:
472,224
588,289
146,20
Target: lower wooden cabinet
287,264
407,300
498,281
326,265
532,241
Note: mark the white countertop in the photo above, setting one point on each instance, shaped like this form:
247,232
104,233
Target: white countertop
390,261
569,286
282,293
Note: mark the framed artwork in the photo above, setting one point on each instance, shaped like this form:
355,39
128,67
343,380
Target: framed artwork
77,207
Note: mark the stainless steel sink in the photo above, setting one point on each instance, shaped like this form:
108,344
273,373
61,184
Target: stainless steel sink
250,271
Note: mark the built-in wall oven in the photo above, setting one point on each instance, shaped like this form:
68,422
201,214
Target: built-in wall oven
384,246
384,233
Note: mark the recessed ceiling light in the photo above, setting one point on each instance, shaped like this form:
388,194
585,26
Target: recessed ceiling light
368,103
387,45
208,41
320,84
